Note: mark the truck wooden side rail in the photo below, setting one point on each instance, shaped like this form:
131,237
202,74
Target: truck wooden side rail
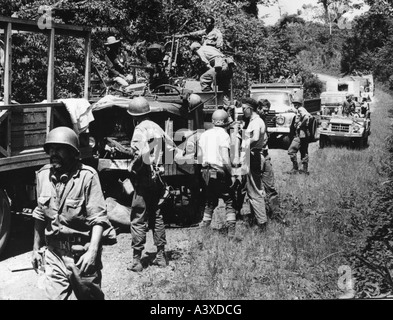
24,127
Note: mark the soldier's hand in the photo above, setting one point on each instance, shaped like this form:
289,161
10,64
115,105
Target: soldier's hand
87,260
37,260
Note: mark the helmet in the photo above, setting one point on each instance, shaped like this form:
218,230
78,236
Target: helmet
195,46
155,53
62,135
348,96
138,106
220,118
297,99
194,100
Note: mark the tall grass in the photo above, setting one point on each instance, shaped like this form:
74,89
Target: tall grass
302,261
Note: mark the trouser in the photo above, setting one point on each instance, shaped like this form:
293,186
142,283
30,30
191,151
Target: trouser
145,215
299,144
218,186
255,193
223,80
272,199
63,284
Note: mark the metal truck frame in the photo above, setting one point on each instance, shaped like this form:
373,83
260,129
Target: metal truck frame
23,127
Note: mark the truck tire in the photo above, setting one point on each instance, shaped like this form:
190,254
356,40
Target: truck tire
5,220
312,127
322,142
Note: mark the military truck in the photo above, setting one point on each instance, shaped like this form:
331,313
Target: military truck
23,127
281,116
335,128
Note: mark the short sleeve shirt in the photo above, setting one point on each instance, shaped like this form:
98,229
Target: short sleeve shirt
211,144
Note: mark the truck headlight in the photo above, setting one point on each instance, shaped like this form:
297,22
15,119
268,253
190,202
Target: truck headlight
280,120
356,128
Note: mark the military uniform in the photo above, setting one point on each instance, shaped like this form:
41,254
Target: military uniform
70,205
146,144
301,140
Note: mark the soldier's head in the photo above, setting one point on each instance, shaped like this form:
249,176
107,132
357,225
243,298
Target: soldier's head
297,101
195,46
220,118
112,44
348,97
263,107
139,108
209,23
249,106
62,146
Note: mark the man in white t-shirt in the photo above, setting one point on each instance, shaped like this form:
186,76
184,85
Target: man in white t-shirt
214,153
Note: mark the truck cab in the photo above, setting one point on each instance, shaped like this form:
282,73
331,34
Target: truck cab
334,127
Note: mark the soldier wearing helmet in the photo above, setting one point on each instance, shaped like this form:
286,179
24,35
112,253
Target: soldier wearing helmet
214,153
301,139
348,107
146,146
253,146
71,220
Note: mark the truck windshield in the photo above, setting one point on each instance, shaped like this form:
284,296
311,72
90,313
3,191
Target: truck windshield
279,100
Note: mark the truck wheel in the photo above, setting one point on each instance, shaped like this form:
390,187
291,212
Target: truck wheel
312,127
5,220
286,141
186,207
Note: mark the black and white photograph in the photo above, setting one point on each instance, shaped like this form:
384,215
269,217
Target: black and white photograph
197,156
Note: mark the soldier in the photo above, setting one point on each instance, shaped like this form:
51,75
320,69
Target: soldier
217,68
214,150
273,200
116,61
211,36
301,140
146,144
71,218
254,140
348,107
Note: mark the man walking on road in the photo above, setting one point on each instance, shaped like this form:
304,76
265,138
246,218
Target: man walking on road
71,219
146,146
301,140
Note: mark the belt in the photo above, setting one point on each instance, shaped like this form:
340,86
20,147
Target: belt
65,243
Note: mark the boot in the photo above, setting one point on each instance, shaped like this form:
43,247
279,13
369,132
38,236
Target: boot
160,259
305,169
262,227
231,225
295,168
231,229
136,262
205,224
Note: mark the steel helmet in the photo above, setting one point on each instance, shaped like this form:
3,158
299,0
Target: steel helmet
220,118
297,99
62,135
138,106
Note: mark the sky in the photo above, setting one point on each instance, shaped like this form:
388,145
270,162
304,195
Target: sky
286,6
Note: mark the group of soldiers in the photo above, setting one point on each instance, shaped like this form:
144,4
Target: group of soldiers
71,221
